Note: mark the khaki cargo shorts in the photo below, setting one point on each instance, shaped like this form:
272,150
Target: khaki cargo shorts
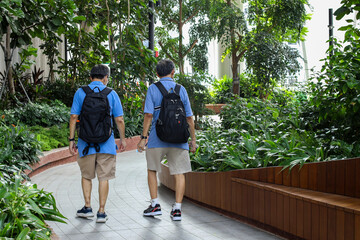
103,164
178,159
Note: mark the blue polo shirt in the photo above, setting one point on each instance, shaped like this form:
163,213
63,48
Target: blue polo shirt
153,104
115,110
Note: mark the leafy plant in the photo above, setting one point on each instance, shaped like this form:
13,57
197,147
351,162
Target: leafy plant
18,147
24,209
221,89
41,114
53,137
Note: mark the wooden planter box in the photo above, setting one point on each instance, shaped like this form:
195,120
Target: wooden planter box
319,201
215,107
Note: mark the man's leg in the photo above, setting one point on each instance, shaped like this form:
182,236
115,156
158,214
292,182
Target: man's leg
179,187
86,185
103,194
152,182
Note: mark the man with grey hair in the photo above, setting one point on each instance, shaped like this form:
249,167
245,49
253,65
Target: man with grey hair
97,156
177,154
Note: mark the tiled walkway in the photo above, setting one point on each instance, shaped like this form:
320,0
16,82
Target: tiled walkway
128,197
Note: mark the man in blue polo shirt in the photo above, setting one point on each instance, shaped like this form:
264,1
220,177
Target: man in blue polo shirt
177,154
92,161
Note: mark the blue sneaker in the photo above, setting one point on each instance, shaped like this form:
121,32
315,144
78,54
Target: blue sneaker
85,212
101,217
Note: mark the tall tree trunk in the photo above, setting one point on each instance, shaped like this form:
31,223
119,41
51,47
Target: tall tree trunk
180,25
234,61
8,62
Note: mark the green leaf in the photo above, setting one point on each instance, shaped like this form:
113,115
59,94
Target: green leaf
34,207
23,234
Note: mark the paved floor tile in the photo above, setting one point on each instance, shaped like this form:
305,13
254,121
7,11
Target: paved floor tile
128,197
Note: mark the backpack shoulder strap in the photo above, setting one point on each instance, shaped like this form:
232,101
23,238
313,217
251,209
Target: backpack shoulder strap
107,91
177,89
161,88
87,89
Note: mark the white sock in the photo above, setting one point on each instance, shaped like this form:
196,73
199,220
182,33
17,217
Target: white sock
154,202
177,206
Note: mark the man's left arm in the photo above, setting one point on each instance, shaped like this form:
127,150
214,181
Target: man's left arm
72,144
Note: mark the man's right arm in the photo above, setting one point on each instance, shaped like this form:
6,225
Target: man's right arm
190,121
120,123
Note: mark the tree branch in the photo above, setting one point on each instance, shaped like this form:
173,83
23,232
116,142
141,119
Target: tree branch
192,46
192,15
173,21
166,52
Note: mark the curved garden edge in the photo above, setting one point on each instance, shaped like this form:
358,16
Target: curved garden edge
216,107
319,200
62,156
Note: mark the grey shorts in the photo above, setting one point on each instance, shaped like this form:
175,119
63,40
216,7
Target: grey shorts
178,159
104,165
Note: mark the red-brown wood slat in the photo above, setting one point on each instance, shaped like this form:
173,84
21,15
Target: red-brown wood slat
278,175
321,177
244,202
340,224
209,193
331,177
307,220
286,177
270,175
300,218
350,177
267,207
236,206
323,218
280,211
262,205
263,175
293,216
286,213
331,223
226,191
312,176
340,177
273,218
357,181
250,202
315,221
357,227
349,226
295,176
304,176
256,204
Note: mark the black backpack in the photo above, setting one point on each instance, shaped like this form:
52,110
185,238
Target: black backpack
171,125
95,118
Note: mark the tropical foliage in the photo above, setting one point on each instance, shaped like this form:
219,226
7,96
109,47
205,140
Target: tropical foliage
24,209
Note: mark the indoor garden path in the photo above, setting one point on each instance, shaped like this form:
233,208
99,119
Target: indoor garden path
128,198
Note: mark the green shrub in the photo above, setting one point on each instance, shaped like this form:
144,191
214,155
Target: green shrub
256,133
24,209
18,146
221,89
41,114
50,138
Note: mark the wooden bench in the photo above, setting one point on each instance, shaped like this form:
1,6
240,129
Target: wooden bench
304,213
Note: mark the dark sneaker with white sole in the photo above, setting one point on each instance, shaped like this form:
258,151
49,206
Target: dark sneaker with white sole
85,212
101,217
176,215
153,211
